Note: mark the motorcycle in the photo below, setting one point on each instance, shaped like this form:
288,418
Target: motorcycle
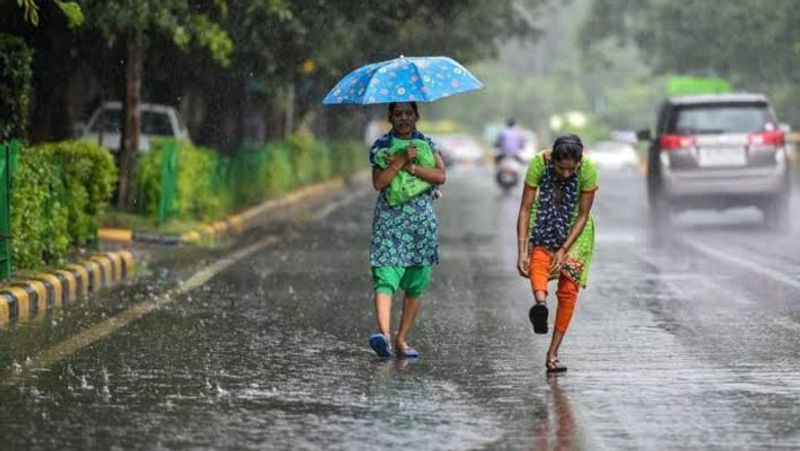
508,172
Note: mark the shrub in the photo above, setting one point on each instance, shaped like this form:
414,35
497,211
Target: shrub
195,196
278,174
89,176
323,167
58,190
347,157
38,214
301,147
246,168
209,185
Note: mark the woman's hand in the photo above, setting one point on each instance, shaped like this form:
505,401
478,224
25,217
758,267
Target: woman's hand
523,263
412,152
558,260
381,178
398,160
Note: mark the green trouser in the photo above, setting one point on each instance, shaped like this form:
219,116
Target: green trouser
413,280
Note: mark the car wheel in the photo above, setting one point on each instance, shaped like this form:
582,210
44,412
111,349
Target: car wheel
776,212
660,215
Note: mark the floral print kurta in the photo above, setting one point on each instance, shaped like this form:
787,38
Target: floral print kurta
407,234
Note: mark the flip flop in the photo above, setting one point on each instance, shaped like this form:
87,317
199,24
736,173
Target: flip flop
553,367
379,344
538,317
408,353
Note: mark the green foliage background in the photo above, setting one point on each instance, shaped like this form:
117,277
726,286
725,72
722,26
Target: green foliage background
210,186
15,86
58,190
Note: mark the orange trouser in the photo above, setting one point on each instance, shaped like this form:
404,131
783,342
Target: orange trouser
567,293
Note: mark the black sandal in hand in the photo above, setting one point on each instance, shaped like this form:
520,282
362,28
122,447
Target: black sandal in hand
538,317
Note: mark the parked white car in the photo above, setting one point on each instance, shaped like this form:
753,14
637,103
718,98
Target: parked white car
105,125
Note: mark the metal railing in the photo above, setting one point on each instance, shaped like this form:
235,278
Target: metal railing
9,152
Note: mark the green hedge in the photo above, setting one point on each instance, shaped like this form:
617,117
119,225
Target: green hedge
58,191
39,215
196,196
210,186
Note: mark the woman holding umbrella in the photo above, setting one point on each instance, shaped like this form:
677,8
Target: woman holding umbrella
404,234
404,237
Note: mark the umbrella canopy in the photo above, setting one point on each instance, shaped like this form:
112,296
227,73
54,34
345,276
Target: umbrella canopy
413,79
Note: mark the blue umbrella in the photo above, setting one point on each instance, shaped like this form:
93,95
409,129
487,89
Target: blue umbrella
414,79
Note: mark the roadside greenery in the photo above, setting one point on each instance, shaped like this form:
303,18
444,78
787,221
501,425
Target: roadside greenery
58,191
210,186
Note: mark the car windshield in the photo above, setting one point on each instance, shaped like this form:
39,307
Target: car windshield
731,118
110,121
156,124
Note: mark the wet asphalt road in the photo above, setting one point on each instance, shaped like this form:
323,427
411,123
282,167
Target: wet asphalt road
685,339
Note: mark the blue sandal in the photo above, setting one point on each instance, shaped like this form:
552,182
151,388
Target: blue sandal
408,353
378,343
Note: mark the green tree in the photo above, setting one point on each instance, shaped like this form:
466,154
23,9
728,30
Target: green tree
72,11
288,54
753,44
132,24
15,86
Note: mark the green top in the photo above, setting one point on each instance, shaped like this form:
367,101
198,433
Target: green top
405,186
580,254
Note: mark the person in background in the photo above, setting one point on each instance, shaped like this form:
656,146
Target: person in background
555,233
405,241
510,142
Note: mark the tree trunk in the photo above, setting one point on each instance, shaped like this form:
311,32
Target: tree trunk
131,126
275,116
288,124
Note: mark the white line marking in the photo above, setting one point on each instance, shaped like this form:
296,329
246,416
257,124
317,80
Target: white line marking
107,327
331,207
787,323
774,275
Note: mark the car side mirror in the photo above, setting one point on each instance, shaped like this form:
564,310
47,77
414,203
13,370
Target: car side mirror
644,135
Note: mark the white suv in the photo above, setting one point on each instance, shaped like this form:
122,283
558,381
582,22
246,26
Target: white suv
718,151
105,125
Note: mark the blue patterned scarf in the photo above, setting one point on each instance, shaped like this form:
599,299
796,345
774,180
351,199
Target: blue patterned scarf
557,199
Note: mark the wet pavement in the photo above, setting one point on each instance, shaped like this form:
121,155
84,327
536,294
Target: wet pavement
686,339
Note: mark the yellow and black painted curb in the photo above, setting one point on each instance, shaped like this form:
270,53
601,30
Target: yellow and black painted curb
23,299
235,224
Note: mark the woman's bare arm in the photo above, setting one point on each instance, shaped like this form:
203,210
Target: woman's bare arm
381,178
523,221
436,175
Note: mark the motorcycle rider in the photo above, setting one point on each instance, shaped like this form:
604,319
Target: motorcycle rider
510,142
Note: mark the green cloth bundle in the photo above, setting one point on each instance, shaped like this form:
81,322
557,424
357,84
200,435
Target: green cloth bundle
405,186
